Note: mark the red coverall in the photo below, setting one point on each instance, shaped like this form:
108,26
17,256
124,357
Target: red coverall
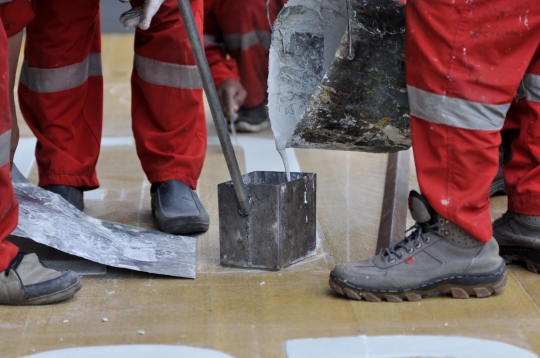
237,43
14,16
465,61
61,94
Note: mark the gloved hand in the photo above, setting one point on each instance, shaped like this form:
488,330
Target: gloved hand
141,15
232,95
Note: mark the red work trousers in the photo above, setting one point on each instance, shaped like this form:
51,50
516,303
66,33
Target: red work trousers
9,209
240,29
465,61
61,94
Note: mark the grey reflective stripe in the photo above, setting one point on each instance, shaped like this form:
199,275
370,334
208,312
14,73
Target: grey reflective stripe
210,40
63,78
167,74
5,142
456,112
244,41
531,85
5,1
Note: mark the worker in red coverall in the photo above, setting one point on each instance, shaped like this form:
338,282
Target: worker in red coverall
23,280
465,61
237,43
61,98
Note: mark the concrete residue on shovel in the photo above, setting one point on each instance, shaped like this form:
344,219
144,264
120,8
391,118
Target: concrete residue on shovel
329,89
48,219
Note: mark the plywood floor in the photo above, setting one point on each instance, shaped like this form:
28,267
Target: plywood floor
250,313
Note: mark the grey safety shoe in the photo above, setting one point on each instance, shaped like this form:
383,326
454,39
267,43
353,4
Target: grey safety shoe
27,282
437,258
177,208
519,239
73,195
252,120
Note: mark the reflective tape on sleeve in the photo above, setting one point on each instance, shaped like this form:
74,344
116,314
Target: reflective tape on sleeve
5,142
167,74
531,86
456,112
244,41
63,78
210,40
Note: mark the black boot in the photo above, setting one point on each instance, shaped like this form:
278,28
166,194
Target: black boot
73,195
177,208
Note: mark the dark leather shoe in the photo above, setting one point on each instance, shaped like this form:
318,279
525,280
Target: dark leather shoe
73,195
177,208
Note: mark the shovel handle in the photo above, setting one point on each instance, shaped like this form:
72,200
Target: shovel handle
215,106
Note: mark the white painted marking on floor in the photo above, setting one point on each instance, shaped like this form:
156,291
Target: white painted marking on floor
25,155
260,154
117,141
403,346
131,351
97,194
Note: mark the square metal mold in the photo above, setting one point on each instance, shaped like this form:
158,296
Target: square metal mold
280,229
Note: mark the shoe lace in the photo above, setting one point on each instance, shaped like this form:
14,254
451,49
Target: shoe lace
411,241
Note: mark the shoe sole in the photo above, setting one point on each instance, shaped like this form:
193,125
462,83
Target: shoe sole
451,288
52,298
245,127
530,257
180,226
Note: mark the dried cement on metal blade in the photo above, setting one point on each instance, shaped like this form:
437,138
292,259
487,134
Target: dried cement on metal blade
304,42
47,218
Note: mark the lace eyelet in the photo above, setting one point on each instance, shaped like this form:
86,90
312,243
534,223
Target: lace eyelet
419,245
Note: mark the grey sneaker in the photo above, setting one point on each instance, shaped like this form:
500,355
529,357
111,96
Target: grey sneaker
252,120
519,239
27,282
437,258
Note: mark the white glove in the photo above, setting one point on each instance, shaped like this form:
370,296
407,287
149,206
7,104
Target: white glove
141,15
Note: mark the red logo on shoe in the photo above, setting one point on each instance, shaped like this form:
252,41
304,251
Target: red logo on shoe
409,260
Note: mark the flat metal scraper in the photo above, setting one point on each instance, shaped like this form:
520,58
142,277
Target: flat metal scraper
48,219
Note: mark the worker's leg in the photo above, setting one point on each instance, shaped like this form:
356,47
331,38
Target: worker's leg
169,124
23,280
518,231
464,64
15,16
8,205
247,41
60,90
246,36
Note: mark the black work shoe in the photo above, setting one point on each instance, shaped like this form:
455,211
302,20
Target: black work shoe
252,120
497,187
27,282
519,239
73,195
177,208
